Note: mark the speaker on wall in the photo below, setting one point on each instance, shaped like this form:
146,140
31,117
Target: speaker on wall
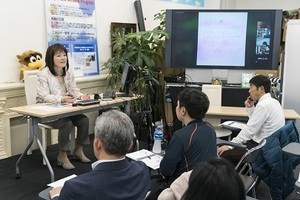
139,15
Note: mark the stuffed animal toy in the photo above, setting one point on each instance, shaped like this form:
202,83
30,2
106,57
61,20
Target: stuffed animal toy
30,60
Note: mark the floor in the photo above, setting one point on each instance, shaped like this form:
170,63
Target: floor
35,176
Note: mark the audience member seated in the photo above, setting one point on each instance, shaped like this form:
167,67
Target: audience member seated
188,146
211,180
265,117
113,176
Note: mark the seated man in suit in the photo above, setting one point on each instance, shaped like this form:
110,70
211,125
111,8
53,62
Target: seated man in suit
113,176
265,117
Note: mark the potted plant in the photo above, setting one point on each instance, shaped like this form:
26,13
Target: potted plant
142,50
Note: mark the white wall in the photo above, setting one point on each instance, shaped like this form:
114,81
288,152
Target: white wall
23,24
23,27
290,87
268,4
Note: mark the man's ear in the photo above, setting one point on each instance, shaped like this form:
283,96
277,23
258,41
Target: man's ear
262,88
97,143
183,111
131,145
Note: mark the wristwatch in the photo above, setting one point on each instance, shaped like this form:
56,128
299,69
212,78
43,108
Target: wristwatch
230,147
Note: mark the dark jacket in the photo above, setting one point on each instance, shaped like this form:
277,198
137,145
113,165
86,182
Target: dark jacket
275,167
124,179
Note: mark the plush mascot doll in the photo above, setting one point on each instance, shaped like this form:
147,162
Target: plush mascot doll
30,60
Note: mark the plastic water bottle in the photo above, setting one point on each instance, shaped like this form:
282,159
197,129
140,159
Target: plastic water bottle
158,136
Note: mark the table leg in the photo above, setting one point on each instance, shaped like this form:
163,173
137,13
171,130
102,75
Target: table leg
34,136
29,152
127,108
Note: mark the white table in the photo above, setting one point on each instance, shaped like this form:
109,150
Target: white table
40,113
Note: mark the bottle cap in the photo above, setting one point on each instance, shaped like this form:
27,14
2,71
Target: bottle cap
158,123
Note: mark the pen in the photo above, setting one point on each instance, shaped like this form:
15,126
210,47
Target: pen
148,156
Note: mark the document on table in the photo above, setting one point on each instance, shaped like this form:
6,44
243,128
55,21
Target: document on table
62,181
151,159
233,124
50,107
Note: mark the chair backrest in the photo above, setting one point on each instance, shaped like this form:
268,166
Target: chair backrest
249,157
214,93
30,82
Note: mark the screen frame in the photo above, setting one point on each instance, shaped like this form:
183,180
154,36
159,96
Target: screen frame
126,78
250,63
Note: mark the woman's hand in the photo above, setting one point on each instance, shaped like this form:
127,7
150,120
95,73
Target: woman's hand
69,99
85,97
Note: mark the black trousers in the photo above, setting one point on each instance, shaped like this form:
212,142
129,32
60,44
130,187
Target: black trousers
236,154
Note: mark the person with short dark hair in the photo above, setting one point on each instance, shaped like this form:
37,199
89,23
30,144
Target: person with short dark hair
191,144
265,117
56,84
113,175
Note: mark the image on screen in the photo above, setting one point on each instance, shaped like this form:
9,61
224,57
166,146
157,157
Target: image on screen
222,35
263,38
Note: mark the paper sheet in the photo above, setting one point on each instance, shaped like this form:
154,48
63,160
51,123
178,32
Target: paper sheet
234,124
50,107
151,159
62,181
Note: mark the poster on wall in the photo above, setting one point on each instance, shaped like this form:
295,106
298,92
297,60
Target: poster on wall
199,3
73,24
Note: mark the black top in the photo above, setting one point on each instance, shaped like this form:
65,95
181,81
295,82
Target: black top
188,146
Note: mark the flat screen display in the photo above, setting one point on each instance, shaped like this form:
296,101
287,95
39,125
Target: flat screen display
223,39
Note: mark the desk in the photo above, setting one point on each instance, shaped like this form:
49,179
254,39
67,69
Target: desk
40,113
239,113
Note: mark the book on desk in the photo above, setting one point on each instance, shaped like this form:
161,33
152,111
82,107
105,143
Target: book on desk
151,159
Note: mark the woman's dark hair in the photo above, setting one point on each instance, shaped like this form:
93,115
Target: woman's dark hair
215,179
260,80
195,102
49,59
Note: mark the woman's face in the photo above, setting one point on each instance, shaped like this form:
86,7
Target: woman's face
60,60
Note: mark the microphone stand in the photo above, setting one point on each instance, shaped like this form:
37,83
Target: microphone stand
148,111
